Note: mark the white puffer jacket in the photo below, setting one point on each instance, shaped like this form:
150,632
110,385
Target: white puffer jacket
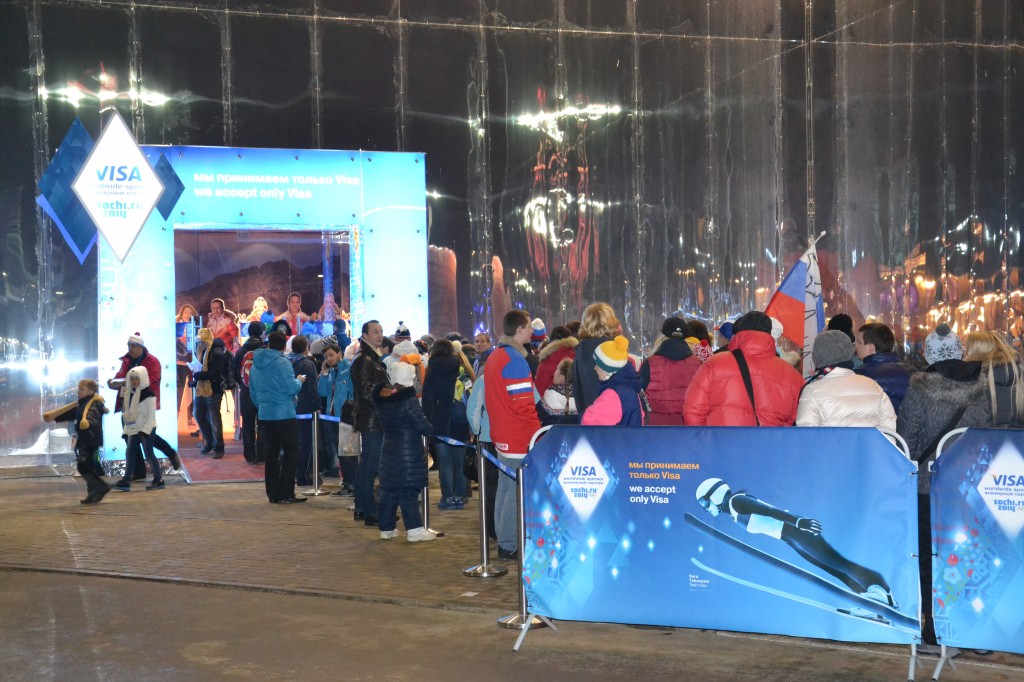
842,398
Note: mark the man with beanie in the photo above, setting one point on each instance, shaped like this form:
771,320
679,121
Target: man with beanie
667,373
719,394
139,356
242,366
835,396
874,343
618,404
509,401
273,387
724,335
209,381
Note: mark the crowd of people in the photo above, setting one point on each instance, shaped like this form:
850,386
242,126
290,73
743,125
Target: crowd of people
382,397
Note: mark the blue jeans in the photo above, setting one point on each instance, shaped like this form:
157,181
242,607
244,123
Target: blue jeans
393,498
146,443
449,470
208,419
369,467
506,516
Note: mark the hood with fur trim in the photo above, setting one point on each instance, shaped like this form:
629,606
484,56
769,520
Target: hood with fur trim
555,346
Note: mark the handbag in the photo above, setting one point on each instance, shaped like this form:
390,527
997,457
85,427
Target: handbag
346,412
469,464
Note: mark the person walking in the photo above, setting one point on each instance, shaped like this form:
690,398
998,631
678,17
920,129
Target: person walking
138,422
139,356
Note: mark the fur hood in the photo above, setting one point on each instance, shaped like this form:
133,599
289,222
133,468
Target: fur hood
555,346
940,388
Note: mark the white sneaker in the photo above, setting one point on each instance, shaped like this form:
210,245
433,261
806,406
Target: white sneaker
420,535
388,534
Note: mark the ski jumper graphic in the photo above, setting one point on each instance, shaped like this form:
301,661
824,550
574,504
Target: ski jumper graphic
801,533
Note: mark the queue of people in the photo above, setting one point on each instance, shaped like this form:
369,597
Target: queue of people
391,393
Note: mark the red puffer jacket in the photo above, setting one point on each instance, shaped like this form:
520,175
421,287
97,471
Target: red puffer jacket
717,396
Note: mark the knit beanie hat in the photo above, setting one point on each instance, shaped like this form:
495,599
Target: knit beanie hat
538,331
405,348
842,322
136,340
281,326
403,372
611,356
255,329
675,327
206,335
942,344
267,318
754,321
776,328
402,333
830,348
726,330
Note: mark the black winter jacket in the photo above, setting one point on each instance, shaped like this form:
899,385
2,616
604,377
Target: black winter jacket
217,368
308,399
367,371
403,462
585,384
92,437
439,395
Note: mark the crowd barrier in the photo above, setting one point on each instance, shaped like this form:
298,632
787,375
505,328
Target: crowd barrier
623,525
977,515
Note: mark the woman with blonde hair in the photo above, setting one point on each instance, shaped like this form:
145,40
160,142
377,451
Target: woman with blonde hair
598,324
1001,373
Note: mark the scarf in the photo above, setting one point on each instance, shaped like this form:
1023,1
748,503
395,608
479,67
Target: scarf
204,389
83,424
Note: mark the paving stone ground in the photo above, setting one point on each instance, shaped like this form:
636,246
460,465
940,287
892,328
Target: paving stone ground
335,585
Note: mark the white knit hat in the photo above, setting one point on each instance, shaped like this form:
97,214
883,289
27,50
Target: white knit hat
136,340
942,344
401,374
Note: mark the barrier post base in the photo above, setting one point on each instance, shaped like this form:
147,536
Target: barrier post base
517,621
485,571
316,492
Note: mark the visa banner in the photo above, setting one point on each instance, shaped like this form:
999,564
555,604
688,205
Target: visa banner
810,532
977,505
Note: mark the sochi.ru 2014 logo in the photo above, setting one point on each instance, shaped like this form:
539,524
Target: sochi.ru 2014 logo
583,479
1002,488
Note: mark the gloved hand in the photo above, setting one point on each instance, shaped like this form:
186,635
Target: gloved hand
809,525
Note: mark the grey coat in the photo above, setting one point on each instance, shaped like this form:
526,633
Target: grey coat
932,400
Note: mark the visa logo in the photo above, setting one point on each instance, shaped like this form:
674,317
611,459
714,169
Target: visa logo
119,173
583,471
1008,479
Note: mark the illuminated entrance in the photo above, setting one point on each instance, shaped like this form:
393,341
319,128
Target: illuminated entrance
366,209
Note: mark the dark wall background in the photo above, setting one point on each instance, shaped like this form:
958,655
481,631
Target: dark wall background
663,155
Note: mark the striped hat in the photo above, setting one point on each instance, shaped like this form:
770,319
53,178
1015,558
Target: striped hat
611,356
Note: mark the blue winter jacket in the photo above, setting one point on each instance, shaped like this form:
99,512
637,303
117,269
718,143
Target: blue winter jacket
889,373
273,385
476,411
340,378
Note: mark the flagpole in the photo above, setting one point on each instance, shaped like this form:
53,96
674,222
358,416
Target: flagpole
816,239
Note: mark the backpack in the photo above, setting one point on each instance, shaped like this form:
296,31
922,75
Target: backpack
246,368
229,379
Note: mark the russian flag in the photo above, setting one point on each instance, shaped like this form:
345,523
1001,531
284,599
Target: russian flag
797,304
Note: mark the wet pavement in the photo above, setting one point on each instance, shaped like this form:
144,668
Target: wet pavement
212,582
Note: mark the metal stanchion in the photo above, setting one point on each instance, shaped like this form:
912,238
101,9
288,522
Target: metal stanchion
483,570
316,491
426,501
521,620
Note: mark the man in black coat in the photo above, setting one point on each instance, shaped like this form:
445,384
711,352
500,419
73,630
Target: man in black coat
367,371
307,403
873,344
